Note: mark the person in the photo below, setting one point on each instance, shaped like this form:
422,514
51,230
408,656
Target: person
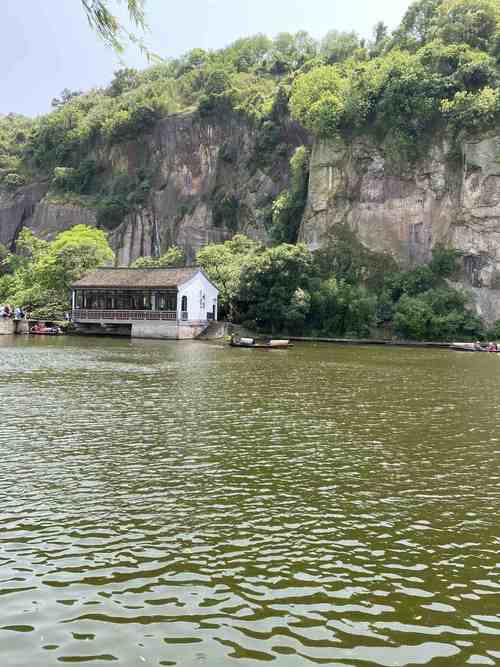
18,313
7,310
492,347
477,346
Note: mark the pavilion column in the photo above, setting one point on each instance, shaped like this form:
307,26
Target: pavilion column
154,298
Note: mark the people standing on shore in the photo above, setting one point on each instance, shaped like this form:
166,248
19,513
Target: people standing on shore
6,311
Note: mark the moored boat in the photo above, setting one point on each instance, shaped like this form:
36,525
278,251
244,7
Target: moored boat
272,344
43,330
471,347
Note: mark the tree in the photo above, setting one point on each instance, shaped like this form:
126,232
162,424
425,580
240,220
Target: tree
472,22
337,46
223,264
124,79
71,255
418,25
274,286
66,96
174,257
108,27
340,309
318,100
41,272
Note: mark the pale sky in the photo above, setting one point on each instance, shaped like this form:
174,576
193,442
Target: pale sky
47,45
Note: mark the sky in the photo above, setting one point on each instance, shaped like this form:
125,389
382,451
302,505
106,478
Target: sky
47,45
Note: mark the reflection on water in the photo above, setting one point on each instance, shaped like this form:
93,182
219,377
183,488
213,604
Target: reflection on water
188,504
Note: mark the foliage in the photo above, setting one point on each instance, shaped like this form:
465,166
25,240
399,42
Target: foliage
289,206
174,257
123,195
337,46
41,272
78,180
440,67
473,110
273,287
108,27
341,309
14,130
472,22
341,290
438,314
223,264
345,257
225,210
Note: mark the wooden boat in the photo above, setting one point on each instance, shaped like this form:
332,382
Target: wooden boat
470,347
272,344
47,331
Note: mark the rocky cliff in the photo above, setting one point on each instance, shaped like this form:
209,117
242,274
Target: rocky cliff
405,211
209,181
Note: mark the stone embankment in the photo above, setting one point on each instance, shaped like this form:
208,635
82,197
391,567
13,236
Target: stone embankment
10,327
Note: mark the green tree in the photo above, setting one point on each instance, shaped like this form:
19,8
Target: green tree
340,309
418,25
472,22
71,255
174,257
223,263
337,46
274,285
40,273
318,100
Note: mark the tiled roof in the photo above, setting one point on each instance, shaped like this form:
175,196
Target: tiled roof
137,278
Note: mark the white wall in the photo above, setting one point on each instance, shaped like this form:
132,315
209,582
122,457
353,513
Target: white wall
201,296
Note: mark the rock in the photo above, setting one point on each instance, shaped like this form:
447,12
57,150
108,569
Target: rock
406,213
194,163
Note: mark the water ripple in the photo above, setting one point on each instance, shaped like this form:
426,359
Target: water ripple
185,504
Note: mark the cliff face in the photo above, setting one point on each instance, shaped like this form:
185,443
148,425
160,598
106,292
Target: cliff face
208,183
407,212
210,180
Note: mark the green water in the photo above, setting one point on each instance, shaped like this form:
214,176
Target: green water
190,504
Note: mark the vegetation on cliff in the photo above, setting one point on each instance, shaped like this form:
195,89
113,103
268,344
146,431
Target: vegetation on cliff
439,68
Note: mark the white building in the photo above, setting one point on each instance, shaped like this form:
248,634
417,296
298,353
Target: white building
144,303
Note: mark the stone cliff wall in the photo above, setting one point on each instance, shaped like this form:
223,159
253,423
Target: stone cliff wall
407,211
209,181
197,167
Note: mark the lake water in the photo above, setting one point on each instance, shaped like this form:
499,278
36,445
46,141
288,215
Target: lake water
185,503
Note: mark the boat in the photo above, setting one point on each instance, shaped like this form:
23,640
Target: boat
252,343
470,347
42,330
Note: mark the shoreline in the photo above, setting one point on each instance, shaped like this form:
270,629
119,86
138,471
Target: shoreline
369,341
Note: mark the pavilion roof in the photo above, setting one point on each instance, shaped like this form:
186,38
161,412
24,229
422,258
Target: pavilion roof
136,278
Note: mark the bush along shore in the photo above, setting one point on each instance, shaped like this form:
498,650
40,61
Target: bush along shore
341,291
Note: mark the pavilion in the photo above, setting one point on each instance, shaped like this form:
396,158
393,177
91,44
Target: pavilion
144,303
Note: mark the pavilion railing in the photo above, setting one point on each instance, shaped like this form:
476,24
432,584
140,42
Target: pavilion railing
123,315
